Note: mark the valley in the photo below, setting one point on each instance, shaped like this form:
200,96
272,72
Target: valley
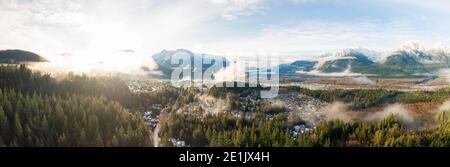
301,112
421,83
343,99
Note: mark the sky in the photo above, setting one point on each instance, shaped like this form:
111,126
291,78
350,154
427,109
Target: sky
109,30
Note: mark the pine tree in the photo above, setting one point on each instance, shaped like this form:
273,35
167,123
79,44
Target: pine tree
2,144
18,128
62,140
198,137
115,141
4,127
98,141
237,138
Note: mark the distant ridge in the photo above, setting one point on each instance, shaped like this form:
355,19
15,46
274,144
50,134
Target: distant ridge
19,56
411,59
164,60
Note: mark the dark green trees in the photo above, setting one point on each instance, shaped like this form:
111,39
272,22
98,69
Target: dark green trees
37,110
229,131
41,120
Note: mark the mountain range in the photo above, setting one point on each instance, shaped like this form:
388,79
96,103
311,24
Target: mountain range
412,59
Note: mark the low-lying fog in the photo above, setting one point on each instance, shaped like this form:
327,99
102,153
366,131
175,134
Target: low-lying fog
341,111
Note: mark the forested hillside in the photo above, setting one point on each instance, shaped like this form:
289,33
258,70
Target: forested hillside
18,56
229,131
271,127
363,99
37,110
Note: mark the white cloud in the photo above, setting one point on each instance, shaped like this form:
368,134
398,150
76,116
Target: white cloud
76,25
322,36
92,30
434,5
51,12
232,9
36,24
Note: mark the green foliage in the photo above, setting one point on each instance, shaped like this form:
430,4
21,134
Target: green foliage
341,65
225,130
165,96
23,79
437,96
362,99
221,92
42,120
113,88
37,110
229,131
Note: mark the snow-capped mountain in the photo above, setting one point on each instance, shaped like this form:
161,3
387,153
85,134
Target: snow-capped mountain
372,55
348,54
412,58
164,60
345,60
419,53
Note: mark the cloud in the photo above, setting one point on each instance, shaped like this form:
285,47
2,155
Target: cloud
445,74
235,72
302,1
318,37
41,25
352,34
50,13
363,80
91,30
232,9
338,111
439,5
341,111
396,110
434,5
60,26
